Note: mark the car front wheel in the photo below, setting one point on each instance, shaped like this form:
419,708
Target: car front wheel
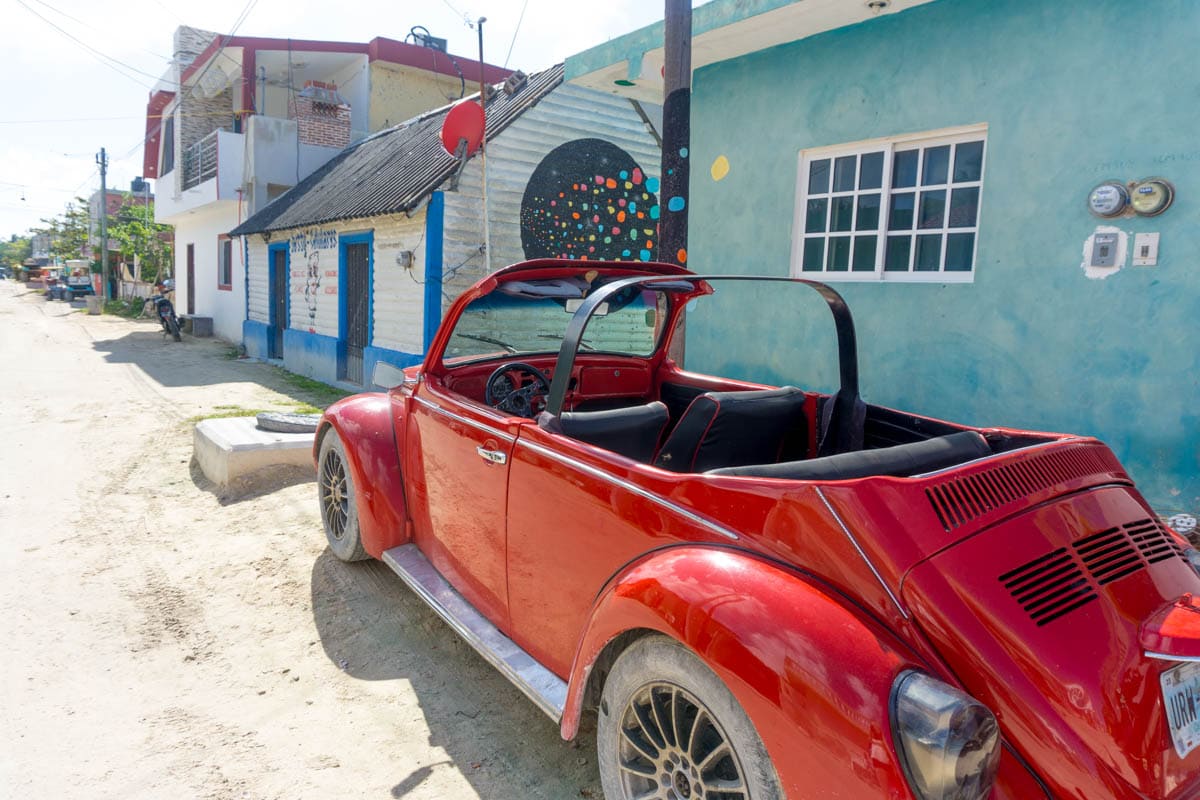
335,492
669,729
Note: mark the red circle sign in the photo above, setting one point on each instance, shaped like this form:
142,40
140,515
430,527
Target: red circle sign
465,121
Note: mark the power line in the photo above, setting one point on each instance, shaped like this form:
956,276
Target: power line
111,119
520,19
466,18
104,59
80,22
225,43
220,50
40,187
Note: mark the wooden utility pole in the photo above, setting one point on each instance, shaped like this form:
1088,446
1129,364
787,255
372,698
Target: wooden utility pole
677,132
102,160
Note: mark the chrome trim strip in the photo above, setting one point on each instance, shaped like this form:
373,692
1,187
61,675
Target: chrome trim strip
543,687
715,527
479,426
1165,657
837,518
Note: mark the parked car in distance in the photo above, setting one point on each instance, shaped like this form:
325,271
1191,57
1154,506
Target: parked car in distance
768,591
78,285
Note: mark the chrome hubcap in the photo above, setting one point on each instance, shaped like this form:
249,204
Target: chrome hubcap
335,496
672,748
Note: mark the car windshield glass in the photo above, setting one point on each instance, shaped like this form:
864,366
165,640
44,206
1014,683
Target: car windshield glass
501,324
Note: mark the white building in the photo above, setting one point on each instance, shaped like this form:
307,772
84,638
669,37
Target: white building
357,263
237,121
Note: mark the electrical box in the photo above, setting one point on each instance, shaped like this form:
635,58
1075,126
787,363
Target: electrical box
1104,250
1145,250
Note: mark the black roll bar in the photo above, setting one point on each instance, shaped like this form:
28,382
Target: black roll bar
847,346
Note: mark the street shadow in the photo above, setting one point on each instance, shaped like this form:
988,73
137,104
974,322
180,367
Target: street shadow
374,628
203,362
191,362
253,485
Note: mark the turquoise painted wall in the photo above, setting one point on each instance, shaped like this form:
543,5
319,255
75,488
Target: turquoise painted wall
1073,93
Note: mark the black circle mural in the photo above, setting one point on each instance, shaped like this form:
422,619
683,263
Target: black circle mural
589,200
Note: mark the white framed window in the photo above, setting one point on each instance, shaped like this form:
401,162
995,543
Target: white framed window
904,208
224,263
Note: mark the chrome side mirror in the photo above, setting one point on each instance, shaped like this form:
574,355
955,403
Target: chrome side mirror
387,376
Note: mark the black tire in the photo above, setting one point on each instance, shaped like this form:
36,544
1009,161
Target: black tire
336,495
173,326
641,755
288,423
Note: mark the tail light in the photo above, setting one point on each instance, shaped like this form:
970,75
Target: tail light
949,742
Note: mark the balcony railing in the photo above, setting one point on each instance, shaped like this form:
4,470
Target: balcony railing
200,161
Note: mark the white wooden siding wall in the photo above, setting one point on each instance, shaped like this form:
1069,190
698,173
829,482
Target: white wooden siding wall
258,273
399,298
566,114
313,299
399,293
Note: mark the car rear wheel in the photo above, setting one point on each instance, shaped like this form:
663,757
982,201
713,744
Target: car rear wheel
669,729
335,491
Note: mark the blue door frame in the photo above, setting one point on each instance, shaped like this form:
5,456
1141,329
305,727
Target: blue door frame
346,239
277,326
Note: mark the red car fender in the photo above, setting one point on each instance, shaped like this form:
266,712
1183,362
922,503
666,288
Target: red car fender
813,672
364,423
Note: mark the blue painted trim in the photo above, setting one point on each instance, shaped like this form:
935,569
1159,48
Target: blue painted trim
435,217
373,355
246,277
311,355
256,338
346,239
287,298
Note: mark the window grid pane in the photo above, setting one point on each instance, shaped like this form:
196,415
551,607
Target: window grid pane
933,190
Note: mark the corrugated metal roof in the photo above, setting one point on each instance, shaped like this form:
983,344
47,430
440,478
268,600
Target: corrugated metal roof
391,171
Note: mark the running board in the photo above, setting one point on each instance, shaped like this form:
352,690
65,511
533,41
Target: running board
543,687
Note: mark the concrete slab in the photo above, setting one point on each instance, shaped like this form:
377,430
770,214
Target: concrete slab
231,447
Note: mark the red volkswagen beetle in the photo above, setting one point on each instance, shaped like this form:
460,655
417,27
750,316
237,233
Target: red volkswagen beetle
766,591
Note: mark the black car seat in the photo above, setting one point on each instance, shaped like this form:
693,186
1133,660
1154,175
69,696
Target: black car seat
729,429
634,432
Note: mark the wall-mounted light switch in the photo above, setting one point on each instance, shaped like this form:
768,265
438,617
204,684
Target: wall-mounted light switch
1145,249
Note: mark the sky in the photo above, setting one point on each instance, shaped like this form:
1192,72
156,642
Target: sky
79,72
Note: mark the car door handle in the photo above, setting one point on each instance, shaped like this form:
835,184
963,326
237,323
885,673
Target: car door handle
494,456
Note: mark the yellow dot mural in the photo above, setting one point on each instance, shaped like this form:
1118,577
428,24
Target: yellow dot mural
719,168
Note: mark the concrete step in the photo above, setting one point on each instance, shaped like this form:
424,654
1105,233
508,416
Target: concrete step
231,447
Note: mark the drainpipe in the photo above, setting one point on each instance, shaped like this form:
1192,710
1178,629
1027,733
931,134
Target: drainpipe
677,105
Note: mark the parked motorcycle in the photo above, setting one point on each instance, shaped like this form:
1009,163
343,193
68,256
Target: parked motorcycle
165,312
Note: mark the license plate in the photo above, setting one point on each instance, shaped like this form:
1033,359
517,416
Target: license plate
1181,699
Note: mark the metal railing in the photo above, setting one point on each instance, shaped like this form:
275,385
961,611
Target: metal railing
200,161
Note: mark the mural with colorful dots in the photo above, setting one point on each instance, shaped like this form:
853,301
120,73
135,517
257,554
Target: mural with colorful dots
589,200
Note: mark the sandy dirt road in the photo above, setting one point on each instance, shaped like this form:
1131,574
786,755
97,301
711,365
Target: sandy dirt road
160,639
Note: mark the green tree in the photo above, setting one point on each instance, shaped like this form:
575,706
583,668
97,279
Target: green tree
142,240
14,252
69,231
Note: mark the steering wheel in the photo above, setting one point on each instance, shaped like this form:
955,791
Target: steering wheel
502,392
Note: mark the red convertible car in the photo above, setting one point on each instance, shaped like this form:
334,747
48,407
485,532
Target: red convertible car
766,591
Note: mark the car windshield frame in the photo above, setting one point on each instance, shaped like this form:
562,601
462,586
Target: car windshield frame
596,342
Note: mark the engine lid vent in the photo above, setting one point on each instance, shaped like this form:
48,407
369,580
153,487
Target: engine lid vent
959,500
1055,584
